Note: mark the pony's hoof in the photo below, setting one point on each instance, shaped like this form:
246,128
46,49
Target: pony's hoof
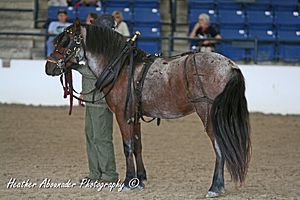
126,189
212,194
141,186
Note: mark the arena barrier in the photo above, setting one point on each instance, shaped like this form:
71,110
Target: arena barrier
270,89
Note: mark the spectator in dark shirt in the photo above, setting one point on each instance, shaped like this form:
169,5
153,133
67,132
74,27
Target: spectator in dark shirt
203,30
91,18
94,3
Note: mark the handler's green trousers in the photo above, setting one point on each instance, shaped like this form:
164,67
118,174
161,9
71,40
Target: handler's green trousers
100,149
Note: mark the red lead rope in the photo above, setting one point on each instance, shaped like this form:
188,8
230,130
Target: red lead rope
68,88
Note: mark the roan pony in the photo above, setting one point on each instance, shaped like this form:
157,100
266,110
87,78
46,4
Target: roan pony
206,83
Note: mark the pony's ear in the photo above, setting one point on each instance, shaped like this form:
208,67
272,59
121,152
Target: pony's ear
76,23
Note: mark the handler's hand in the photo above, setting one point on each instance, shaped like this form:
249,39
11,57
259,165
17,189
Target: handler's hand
79,101
206,42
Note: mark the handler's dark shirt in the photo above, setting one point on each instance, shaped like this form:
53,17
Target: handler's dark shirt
210,32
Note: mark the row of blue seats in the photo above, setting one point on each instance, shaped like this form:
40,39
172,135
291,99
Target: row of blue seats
122,3
251,17
138,15
262,34
236,6
275,2
265,51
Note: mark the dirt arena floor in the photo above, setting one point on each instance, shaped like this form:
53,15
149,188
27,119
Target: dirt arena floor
44,142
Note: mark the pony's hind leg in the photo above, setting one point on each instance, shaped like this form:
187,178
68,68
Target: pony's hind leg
141,172
217,186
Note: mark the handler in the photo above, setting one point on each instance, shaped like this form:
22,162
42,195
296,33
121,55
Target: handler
98,124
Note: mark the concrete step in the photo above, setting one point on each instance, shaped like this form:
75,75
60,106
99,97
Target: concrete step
18,24
37,53
164,8
6,42
183,29
24,4
23,30
16,16
15,53
39,43
181,16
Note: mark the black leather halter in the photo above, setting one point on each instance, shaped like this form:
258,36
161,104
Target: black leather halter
65,54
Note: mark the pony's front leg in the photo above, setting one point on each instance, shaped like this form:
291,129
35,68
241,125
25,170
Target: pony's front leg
128,145
141,172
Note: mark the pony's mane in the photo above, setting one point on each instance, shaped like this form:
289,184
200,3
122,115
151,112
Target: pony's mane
105,41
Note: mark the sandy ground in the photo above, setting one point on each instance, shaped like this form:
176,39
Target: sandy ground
44,142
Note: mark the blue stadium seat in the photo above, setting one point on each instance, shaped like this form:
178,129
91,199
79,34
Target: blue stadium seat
225,1
199,2
228,50
203,4
265,52
126,12
116,3
262,34
288,35
233,33
147,15
149,46
231,17
84,11
266,49
229,6
285,2
263,1
146,4
289,51
52,13
284,5
258,5
147,30
259,17
291,18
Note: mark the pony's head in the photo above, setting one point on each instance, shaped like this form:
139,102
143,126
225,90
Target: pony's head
68,45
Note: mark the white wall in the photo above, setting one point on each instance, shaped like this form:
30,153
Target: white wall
272,89
268,89
26,82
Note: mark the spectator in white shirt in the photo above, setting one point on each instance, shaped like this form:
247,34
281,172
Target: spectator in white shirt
121,26
57,27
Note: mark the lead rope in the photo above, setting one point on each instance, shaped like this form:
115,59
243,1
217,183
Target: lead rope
68,88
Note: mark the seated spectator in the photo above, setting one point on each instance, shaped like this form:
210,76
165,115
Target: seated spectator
202,30
57,3
57,27
72,2
95,3
121,26
91,18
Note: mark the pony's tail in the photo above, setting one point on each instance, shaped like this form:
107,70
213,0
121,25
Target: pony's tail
230,118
